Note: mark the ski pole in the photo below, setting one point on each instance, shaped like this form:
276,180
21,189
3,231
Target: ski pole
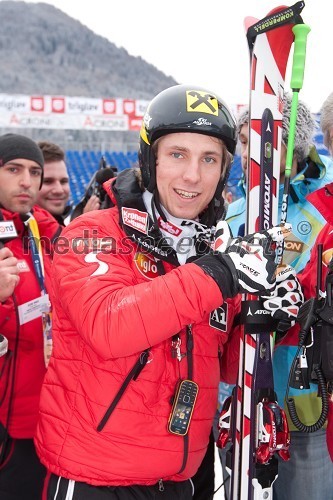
301,32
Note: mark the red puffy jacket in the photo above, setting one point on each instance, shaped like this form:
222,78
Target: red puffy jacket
112,304
28,338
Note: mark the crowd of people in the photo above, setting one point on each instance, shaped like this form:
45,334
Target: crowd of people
109,386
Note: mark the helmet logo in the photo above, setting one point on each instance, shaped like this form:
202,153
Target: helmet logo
202,102
145,127
202,121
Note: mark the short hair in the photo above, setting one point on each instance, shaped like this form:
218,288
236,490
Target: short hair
51,151
326,120
304,130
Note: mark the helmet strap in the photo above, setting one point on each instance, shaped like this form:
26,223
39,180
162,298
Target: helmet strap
156,201
152,171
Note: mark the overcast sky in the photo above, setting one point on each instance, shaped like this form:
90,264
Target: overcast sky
203,42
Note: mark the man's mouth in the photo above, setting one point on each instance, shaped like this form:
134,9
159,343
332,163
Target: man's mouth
186,194
24,196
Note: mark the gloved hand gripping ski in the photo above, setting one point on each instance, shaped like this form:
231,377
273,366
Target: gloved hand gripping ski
284,302
243,265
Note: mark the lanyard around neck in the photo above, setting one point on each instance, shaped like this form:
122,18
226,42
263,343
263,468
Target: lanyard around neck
36,251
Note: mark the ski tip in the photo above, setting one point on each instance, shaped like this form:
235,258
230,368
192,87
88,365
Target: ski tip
249,21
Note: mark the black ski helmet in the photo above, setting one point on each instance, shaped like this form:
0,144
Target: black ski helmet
183,108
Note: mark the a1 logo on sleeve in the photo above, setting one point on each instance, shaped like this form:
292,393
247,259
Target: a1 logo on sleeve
218,318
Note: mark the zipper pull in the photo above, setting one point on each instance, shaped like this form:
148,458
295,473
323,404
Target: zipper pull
175,348
160,485
189,338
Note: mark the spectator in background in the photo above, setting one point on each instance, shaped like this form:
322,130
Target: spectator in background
322,199
326,122
310,171
134,321
55,191
24,313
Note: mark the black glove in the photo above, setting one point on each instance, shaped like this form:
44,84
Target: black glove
243,265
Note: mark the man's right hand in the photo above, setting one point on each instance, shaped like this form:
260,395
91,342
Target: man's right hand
9,273
244,264
92,204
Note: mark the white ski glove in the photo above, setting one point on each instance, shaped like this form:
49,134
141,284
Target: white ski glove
244,264
284,302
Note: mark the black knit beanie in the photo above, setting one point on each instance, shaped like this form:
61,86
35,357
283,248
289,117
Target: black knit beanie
14,146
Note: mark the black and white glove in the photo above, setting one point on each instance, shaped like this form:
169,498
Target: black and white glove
244,264
284,302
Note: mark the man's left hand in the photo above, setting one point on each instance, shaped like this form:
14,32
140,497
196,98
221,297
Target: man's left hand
286,299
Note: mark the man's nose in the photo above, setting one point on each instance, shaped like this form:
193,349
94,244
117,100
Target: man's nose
25,179
192,171
57,187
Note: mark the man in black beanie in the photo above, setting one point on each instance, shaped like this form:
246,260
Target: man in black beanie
27,233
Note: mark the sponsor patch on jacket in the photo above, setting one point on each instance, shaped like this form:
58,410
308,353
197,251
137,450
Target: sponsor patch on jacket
169,227
146,264
218,318
135,218
23,266
86,245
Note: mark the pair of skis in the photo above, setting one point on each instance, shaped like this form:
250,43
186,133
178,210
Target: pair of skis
256,424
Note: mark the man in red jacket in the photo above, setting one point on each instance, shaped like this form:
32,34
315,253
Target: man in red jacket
144,313
322,253
24,307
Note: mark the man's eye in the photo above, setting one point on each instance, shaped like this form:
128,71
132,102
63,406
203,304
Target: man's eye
210,160
177,155
36,173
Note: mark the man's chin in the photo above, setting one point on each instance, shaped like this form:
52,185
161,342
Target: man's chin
20,206
55,210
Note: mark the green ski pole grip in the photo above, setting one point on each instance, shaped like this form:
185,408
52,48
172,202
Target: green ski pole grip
301,32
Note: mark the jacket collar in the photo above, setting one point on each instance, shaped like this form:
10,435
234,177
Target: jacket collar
126,192
61,218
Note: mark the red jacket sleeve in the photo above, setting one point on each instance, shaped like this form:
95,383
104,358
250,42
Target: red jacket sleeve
116,315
